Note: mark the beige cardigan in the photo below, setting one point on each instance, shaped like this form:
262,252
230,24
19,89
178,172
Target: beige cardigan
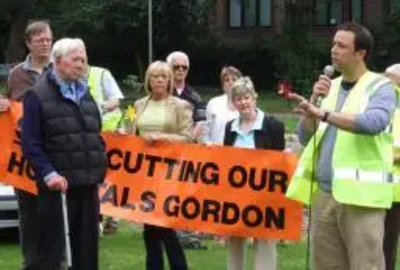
179,113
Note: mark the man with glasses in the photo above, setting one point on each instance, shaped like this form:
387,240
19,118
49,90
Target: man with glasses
179,63
38,39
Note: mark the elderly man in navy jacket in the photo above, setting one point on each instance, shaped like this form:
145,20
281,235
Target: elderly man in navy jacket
61,139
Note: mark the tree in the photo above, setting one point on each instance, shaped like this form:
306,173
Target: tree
387,38
120,26
299,56
15,13
114,31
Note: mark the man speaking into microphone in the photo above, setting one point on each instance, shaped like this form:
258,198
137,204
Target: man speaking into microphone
345,171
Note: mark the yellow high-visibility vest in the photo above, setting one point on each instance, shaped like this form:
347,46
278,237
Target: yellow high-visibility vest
362,164
396,149
110,120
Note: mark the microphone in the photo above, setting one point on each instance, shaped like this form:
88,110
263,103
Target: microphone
328,71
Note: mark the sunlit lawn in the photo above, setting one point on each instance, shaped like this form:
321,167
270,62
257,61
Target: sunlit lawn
125,250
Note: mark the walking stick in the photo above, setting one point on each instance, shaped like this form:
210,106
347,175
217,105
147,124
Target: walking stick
68,255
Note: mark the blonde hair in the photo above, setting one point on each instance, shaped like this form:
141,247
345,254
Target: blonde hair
161,67
229,71
243,86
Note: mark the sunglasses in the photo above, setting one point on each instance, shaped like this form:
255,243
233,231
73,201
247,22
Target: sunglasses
180,67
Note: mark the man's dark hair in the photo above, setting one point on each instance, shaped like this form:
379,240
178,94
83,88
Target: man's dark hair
35,28
363,38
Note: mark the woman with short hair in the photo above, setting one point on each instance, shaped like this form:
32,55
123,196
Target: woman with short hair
252,129
220,109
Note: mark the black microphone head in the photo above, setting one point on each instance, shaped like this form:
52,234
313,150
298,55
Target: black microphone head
329,70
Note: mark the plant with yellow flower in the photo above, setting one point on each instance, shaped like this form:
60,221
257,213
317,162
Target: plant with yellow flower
130,119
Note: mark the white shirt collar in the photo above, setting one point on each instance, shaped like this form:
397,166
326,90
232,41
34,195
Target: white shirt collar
256,126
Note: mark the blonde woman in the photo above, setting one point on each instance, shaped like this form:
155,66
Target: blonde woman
161,116
255,130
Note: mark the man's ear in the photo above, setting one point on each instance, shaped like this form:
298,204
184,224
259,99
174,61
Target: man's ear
361,54
57,60
28,44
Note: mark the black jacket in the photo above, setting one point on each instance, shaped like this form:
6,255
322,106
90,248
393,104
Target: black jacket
199,106
271,136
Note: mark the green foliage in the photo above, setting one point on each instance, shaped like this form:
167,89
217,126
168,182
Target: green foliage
180,23
119,27
12,6
254,62
2,88
299,57
133,88
387,39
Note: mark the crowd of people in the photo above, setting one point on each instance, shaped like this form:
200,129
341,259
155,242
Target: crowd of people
348,171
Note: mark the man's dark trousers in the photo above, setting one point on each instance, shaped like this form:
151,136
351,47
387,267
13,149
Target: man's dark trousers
83,213
27,209
390,241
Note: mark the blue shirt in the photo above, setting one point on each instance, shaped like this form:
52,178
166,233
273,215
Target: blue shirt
246,139
70,90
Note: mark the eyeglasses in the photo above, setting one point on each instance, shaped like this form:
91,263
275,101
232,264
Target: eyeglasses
180,67
42,41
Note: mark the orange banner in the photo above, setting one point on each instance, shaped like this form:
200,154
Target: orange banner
219,190
14,168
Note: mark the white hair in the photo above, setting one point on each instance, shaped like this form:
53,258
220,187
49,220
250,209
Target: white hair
64,46
394,70
177,55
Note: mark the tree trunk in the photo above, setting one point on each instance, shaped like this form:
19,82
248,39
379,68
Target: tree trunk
140,64
15,50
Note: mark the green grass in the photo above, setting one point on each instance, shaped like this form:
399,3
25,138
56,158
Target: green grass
125,250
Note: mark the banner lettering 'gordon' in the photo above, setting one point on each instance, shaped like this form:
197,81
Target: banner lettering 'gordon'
219,190
215,189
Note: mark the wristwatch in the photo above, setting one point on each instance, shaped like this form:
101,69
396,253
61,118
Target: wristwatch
325,117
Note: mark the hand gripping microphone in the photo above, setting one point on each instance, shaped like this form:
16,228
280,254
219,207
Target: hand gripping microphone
328,71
